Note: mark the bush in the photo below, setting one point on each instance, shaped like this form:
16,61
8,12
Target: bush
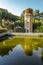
36,26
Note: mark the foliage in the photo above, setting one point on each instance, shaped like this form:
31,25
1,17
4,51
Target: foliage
37,27
4,14
36,13
37,20
22,17
19,24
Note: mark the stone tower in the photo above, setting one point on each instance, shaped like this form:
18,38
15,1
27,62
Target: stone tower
28,20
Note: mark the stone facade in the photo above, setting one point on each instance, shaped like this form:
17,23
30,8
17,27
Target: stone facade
28,19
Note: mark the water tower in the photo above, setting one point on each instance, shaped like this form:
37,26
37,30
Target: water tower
28,16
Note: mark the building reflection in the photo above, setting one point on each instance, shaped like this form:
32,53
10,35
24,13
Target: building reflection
27,46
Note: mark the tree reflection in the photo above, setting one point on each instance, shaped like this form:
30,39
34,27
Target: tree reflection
5,50
9,45
28,44
35,46
42,55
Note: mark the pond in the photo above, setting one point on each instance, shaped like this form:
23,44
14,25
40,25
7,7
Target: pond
21,51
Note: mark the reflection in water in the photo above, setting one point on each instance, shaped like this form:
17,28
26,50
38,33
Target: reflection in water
42,56
3,38
5,50
28,45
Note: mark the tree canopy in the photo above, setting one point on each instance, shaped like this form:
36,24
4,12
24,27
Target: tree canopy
4,14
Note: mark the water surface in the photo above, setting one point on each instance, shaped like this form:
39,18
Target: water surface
21,51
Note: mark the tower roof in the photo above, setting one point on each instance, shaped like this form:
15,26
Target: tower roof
28,11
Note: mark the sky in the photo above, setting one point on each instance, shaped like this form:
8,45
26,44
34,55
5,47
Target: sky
16,7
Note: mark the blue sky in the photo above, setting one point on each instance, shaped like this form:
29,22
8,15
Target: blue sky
17,6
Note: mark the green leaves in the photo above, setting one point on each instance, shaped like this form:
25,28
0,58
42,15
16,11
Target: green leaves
4,14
